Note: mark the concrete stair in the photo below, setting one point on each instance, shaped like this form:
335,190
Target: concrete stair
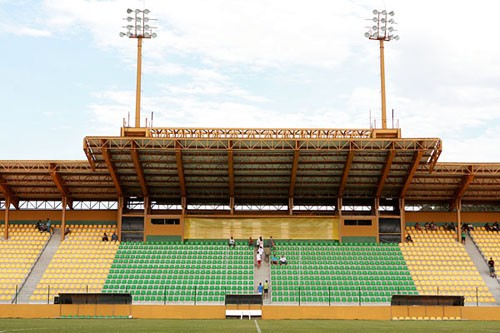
38,270
482,267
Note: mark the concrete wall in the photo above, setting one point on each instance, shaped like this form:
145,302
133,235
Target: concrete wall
268,312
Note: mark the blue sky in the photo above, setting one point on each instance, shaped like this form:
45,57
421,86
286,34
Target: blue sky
67,73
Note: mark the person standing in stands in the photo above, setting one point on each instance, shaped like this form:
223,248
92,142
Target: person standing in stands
491,266
232,242
48,225
272,244
266,289
260,288
464,235
114,237
105,237
258,258
250,242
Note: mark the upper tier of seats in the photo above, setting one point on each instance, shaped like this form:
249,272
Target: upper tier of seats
439,264
18,255
340,273
174,272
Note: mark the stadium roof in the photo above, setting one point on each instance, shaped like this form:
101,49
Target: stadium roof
255,167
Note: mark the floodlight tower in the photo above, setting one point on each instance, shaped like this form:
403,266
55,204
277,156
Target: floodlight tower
139,29
382,30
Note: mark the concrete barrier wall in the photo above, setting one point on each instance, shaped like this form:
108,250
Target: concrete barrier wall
268,312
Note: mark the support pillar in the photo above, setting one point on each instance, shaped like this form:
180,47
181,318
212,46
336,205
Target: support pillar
231,205
183,205
402,214
290,206
63,218
459,219
119,213
6,219
376,206
147,210
341,222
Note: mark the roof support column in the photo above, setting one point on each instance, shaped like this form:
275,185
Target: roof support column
6,219
63,217
146,213
119,213
184,205
231,205
376,206
402,214
290,206
458,205
339,209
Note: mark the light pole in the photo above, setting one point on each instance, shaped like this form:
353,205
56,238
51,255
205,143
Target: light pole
138,28
382,30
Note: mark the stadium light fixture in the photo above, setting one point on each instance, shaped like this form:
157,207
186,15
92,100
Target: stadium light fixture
382,30
137,28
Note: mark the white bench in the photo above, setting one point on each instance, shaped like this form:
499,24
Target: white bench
241,313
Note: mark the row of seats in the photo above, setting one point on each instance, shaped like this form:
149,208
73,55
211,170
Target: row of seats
340,274
94,257
157,272
488,243
440,272
18,255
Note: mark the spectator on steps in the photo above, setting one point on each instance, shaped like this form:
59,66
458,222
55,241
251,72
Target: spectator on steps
260,288
491,266
67,231
258,258
260,242
48,226
266,289
464,235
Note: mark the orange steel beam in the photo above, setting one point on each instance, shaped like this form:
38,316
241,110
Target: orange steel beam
56,177
180,168
409,177
88,153
466,181
387,168
345,174
112,170
8,193
293,177
138,169
230,166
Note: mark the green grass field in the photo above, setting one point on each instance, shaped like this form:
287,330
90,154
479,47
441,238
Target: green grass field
240,326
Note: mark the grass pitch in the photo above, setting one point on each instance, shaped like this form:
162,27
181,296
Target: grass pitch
241,326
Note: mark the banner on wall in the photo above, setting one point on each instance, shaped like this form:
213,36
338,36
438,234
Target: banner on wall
278,227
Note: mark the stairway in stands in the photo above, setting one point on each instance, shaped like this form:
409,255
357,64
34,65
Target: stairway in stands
40,267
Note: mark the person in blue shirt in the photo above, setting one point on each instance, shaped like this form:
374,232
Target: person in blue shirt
260,288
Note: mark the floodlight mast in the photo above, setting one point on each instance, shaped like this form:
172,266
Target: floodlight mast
139,29
382,30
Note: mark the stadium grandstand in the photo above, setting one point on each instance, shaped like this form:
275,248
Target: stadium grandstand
339,204
358,218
